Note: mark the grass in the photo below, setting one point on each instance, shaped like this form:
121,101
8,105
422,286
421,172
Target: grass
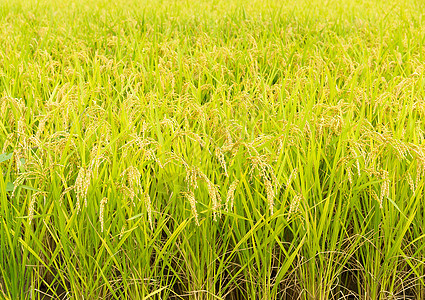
212,150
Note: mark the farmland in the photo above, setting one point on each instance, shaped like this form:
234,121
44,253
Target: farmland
212,149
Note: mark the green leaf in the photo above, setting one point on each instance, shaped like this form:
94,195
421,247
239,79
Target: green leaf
9,187
396,206
30,188
5,156
156,292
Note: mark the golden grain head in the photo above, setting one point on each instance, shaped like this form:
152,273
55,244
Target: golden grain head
295,204
214,195
33,201
102,211
220,156
148,204
133,176
67,190
385,187
18,181
32,207
192,174
292,177
122,231
349,172
41,127
190,196
231,195
81,186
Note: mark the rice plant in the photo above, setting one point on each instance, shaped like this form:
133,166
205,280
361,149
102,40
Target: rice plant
212,149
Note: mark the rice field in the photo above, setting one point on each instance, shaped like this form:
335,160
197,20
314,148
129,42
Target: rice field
209,150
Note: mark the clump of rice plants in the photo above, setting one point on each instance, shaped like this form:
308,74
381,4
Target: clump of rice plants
212,150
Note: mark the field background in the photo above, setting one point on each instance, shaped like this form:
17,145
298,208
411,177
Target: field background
212,149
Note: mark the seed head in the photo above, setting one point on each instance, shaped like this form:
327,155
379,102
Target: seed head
220,156
18,181
191,197
101,212
192,174
292,177
214,195
385,188
231,195
21,126
295,204
31,207
81,186
134,188
122,231
3,106
357,161
68,189
358,167
133,175
41,126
